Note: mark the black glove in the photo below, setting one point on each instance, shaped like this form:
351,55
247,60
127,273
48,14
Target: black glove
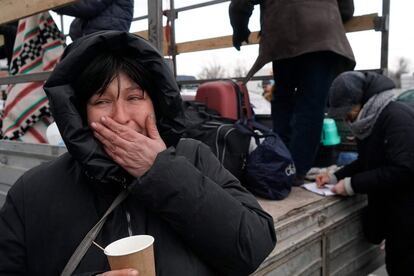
240,12
346,8
239,36
241,30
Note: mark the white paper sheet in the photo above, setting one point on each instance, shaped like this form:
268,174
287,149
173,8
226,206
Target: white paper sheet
325,191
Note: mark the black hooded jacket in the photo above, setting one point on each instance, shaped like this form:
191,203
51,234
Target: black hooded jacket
384,170
203,221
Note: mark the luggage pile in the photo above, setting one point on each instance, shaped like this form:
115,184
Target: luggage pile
222,117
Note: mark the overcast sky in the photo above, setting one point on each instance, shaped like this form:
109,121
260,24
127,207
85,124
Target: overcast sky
213,21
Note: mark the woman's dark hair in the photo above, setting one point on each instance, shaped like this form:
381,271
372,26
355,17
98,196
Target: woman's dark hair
102,70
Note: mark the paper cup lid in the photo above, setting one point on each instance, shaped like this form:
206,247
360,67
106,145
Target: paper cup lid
129,245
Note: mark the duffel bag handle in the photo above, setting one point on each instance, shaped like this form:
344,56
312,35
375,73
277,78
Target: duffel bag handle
250,126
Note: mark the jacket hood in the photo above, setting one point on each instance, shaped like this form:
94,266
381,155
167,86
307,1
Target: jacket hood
75,132
353,87
375,83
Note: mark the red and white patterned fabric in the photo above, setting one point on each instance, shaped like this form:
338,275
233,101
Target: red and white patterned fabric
38,47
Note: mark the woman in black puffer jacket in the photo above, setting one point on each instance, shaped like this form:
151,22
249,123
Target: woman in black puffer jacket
203,221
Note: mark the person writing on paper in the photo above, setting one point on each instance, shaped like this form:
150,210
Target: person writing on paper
384,170
119,110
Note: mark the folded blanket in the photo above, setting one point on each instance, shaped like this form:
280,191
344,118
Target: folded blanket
38,47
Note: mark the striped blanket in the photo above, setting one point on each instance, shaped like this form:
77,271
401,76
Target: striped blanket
38,47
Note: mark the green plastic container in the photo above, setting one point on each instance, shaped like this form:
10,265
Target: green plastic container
330,136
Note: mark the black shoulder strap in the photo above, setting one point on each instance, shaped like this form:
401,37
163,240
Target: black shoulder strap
240,99
87,240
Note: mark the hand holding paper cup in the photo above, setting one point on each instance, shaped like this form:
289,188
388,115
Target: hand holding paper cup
135,252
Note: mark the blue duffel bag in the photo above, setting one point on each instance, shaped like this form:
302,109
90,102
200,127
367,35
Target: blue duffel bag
270,170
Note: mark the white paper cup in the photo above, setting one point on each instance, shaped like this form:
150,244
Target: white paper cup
135,252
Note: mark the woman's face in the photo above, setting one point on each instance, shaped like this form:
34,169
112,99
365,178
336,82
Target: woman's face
123,101
352,115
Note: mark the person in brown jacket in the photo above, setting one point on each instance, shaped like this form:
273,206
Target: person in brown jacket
306,41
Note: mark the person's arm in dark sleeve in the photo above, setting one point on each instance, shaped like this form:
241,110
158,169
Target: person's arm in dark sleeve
13,257
346,8
349,170
84,9
239,13
209,209
399,169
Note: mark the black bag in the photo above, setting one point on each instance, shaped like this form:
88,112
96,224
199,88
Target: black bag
228,144
270,169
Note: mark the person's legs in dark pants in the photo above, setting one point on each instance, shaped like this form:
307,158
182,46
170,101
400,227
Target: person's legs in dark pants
312,76
283,103
317,72
399,261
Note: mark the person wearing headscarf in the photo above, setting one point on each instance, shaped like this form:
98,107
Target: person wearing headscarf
384,170
119,111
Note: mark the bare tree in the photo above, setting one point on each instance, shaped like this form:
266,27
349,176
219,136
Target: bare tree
212,71
240,70
402,68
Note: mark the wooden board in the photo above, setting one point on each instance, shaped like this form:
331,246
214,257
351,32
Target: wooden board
297,199
16,9
361,23
356,24
144,34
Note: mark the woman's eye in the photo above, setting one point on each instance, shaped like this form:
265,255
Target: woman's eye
136,98
101,102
